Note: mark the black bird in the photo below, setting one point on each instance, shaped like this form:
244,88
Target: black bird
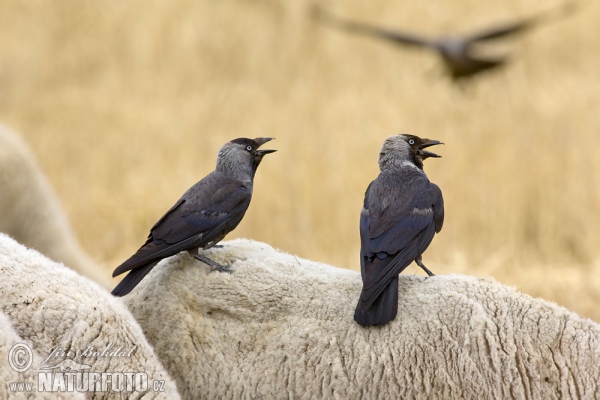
459,53
202,217
402,211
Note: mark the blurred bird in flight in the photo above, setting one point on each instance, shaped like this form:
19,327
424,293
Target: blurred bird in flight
461,55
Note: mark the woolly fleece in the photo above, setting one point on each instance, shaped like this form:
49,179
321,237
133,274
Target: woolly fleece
280,326
51,306
9,338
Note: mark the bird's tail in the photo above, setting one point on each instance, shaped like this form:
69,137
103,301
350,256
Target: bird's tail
383,310
132,279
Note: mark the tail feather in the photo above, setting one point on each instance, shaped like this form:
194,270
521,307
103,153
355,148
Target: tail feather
383,310
148,252
132,279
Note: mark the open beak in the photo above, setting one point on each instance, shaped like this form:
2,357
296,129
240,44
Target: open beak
262,141
426,143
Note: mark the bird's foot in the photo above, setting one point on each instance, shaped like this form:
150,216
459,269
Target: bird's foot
213,264
218,246
427,271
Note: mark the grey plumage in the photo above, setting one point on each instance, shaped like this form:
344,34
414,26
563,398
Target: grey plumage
458,53
402,212
203,216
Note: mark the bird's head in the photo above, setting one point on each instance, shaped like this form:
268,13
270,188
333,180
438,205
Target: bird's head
241,157
398,149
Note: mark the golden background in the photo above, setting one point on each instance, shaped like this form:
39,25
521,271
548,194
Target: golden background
126,103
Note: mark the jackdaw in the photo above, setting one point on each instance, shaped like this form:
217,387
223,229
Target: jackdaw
203,216
401,213
459,54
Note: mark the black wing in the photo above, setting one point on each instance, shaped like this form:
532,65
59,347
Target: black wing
522,25
193,221
504,30
362,28
204,215
397,235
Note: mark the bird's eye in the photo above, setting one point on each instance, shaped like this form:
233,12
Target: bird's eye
249,148
411,142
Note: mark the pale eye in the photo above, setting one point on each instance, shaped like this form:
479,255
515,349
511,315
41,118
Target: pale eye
411,142
249,148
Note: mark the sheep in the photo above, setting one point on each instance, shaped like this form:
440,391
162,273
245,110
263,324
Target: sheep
71,321
11,348
280,326
31,213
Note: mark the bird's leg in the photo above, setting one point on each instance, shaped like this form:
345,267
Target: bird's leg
419,261
212,264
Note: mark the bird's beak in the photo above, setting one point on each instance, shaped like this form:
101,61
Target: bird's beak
262,141
426,143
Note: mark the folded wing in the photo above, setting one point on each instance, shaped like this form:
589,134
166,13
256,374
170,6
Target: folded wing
392,237
193,222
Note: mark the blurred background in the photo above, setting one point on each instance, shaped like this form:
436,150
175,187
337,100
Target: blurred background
126,103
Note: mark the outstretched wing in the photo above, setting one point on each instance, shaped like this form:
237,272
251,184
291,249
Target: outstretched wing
194,221
504,30
522,25
371,30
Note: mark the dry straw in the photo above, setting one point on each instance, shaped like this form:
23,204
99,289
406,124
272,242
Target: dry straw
126,104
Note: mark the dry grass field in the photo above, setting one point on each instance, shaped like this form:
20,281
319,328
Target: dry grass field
126,103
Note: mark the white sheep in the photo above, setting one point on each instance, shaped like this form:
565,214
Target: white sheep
280,326
13,382
31,213
74,324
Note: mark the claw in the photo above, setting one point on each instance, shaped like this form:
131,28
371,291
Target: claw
213,264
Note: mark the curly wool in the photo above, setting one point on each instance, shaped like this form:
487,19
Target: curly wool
50,307
280,326
8,339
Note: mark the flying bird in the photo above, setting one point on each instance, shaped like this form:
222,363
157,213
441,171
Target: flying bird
203,216
459,54
402,212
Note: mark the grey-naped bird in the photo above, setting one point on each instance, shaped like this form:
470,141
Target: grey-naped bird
402,212
203,216
459,53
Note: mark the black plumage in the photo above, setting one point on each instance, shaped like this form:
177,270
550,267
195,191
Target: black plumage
402,211
203,216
